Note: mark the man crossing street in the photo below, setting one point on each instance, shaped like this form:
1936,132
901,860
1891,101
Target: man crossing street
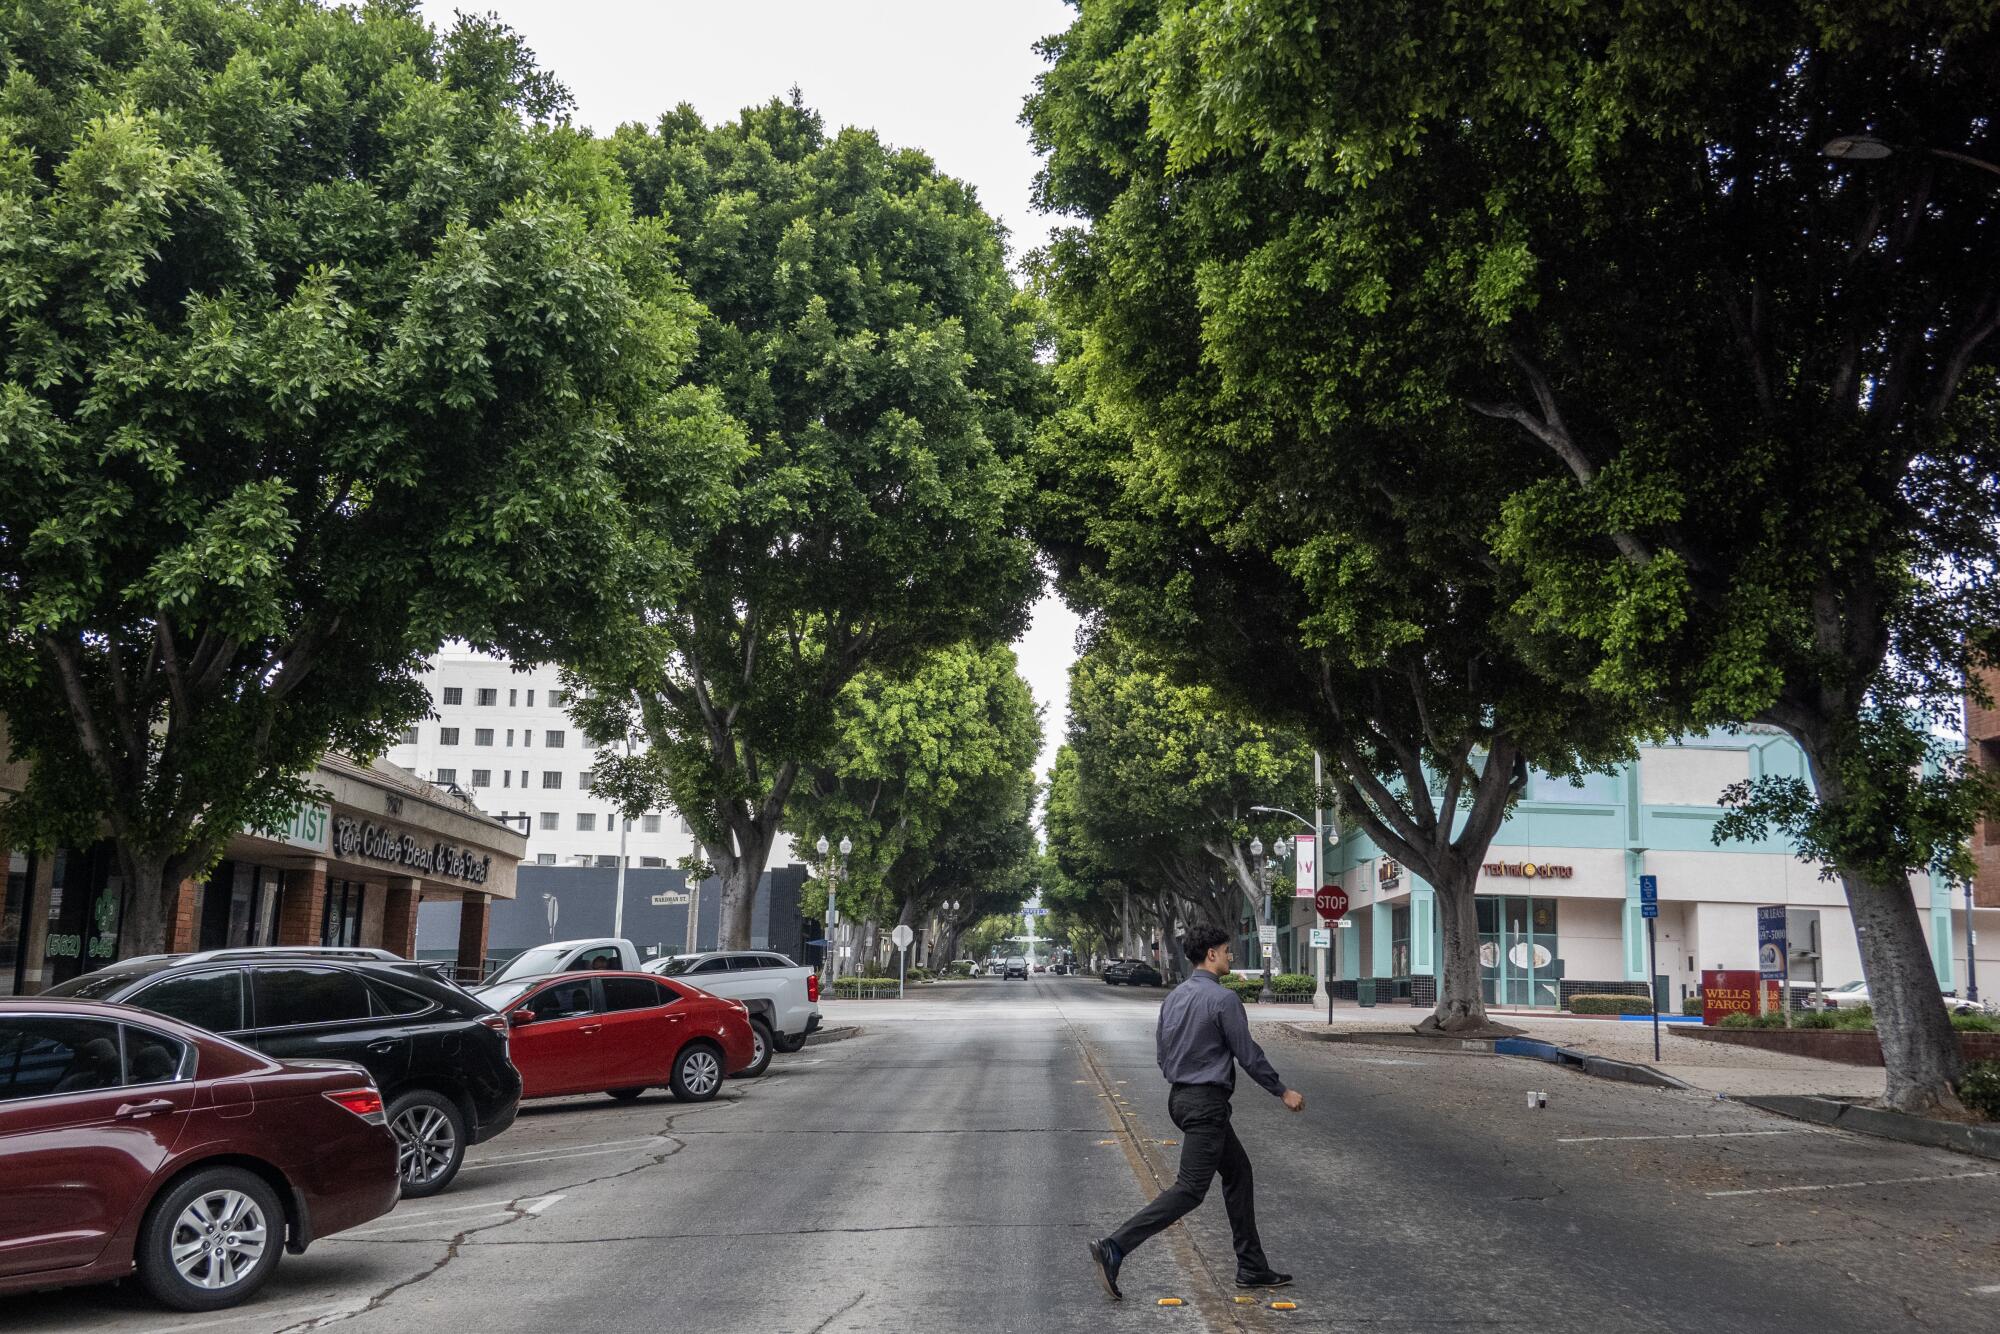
1203,1036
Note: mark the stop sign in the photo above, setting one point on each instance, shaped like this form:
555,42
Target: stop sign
1331,902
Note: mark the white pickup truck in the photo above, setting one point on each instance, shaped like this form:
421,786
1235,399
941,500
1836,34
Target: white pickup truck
782,997
570,956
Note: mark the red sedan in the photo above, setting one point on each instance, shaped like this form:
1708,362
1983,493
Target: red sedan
621,1033
129,1141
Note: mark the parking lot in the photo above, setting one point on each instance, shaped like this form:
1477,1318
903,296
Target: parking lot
942,1169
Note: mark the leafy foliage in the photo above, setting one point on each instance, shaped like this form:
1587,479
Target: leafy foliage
319,343
862,327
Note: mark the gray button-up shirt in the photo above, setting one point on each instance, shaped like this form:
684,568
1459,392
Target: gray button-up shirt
1204,1036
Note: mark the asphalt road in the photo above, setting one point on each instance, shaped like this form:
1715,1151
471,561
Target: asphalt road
942,1170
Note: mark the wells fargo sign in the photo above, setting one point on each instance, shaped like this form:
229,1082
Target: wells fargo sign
1530,870
1727,991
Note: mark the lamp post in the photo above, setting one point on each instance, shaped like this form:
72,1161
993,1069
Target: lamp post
832,900
1266,996
1869,148
1322,840
624,830
950,910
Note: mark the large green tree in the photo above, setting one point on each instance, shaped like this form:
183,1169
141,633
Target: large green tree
321,339
1324,570
1760,385
862,325
932,780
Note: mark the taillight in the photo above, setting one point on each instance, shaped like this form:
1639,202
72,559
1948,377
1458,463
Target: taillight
364,1103
498,1023
812,987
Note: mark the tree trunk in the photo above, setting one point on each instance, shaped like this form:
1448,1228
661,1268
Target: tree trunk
1461,1006
149,894
1920,1052
740,877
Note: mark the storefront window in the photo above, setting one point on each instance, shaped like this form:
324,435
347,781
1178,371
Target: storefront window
341,924
1520,963
1399,942
239,906
86,902
13,908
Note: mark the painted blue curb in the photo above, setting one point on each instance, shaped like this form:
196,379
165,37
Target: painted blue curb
1665,1018
1541,1051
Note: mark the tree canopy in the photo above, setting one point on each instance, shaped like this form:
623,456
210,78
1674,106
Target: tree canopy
321,340
861,324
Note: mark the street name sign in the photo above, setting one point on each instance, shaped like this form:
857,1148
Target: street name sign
1649,896
1331,902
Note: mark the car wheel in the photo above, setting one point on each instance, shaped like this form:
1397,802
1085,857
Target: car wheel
430,1141
212,1240
761,1049
625,1095
697,1073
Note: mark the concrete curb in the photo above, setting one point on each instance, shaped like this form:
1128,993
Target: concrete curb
842,1033
1534,1049
1979,1141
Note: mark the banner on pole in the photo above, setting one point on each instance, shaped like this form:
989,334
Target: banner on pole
1305,863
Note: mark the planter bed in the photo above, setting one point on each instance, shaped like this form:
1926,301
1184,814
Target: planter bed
1855,1047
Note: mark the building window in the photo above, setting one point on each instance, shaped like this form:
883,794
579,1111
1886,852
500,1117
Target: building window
489,696
524,778
341,922
551,779
586,822
649,824
545,859
409,737
512,695
510,736
447,736
558,698
653,862
531,699
551,819
686,828
604,860
482,736
528,737
583,780
506,778
553,740
454,695
447,776
482,778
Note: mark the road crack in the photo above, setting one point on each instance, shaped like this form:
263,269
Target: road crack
856,1301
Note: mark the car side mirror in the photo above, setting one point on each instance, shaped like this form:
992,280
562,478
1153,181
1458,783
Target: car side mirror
520,1017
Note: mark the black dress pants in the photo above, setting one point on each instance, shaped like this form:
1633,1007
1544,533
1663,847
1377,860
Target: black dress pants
1208,1146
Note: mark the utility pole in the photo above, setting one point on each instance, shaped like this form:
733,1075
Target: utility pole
624,831
1320,996
1971,937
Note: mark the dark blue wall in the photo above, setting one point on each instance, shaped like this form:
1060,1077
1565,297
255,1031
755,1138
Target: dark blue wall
583,898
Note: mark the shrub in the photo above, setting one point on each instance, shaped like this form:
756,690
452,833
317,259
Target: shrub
1861,1016
1975,1023
1738,1019
1979,1089
918,973
1692,1004
1293,984
1589,1004
1245,985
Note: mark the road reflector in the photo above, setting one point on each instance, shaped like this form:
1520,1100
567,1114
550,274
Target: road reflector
1284,1306
1244,1301
1169,1142
1107,1141
1171,1301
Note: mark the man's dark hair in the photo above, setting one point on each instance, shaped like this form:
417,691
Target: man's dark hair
1197,943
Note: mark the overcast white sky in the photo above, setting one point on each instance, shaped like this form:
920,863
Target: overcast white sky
946,76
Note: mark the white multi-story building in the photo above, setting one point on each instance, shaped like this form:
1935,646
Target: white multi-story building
503,736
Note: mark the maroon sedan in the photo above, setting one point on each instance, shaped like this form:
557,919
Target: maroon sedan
621,1033
130,1142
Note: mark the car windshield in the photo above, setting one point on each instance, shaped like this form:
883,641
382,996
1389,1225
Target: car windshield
673,966
98,985
533,963
502,997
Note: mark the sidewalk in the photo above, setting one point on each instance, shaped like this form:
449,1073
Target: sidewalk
1711,1066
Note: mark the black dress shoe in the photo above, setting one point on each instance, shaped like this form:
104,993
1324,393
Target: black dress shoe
1270,1278
1105,1258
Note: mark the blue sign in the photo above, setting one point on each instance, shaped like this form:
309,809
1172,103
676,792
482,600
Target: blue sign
1771,942
1649,896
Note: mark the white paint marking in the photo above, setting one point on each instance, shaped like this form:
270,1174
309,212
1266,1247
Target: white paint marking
1990,1290
558,1156
1706,1134
593,1144
1852,1185
496,1209
541,1206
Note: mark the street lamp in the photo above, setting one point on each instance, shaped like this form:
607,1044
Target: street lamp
1266,996
1869,148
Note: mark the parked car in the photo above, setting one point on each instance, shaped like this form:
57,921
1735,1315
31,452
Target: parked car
996,968
1845,997
782,997
1131,973
438,1056
1016,967
570,956
1114,970
436,968
621,1033
130,1143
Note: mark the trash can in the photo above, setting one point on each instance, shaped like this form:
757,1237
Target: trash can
1364,991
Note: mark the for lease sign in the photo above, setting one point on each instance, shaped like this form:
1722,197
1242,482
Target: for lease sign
1727,991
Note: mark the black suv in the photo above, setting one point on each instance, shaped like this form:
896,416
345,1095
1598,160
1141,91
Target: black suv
438,1055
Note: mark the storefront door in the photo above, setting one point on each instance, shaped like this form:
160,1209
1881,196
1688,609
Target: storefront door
1519,959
